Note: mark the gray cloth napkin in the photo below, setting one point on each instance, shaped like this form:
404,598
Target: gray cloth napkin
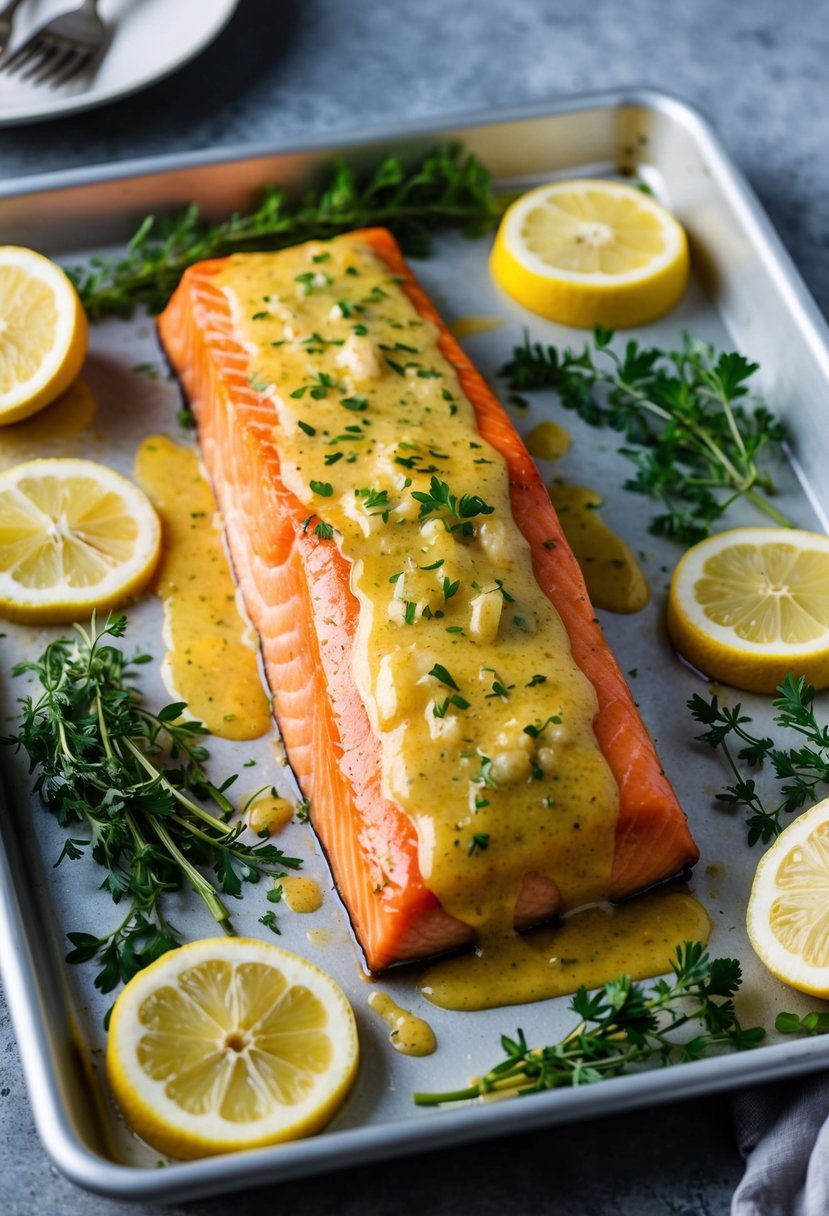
783,1133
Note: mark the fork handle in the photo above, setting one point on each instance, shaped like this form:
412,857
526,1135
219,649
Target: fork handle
90,5
11,8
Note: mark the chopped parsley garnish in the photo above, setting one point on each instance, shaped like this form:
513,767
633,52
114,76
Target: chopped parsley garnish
440,673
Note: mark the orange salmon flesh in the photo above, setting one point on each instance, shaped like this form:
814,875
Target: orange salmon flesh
297,593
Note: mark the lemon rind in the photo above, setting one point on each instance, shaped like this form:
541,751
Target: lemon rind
169,1128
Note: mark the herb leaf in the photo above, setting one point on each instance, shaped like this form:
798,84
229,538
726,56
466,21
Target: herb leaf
800,770
135,784
624,1025
446,189
688,430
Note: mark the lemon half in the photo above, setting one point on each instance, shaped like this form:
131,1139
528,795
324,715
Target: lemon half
749,605
74,536
788,909
229,1044
43,332
591,252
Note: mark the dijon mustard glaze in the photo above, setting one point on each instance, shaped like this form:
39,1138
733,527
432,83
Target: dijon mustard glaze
548,441
468,327
211,659
463,664
301,894
614,578
410,1035
269,813
588,947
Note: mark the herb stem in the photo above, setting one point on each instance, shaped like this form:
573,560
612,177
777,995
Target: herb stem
199,884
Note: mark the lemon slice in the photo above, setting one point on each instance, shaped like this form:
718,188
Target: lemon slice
227,1044
750,605
43,332
788,909
74,536
591,252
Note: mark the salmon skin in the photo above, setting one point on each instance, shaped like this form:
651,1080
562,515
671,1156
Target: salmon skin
297,591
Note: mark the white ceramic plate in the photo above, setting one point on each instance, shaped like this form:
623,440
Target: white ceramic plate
150,38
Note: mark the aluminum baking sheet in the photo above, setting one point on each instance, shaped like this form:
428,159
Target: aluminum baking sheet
745,292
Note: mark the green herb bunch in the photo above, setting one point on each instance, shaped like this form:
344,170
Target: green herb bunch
695,441
129,786
801,770
623,1025
446,189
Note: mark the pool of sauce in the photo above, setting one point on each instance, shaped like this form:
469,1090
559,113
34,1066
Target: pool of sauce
467,327
548,441
590,946
300,893
212,660
269,813
410,1035
614,578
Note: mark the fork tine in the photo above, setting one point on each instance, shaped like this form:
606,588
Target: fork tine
37,69
72,70
23,55
51,63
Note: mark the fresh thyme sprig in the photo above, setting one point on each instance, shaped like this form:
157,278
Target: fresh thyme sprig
801,770
446,189
130,787
624,1025
695,442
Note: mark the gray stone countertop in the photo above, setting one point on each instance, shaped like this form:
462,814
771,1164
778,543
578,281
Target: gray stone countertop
282,70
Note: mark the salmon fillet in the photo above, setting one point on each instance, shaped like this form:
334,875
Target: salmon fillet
298,595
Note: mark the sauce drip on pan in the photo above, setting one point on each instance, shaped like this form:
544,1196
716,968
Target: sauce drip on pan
211,661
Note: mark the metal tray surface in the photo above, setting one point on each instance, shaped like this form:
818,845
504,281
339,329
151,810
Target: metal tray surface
746,292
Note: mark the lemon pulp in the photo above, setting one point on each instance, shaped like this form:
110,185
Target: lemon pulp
74,536
590,252
749,605
788,909
43,332
228,1044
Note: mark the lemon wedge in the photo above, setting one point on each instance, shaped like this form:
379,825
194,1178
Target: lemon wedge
788,909
229,1044
43,332
749,605
591,252
74,536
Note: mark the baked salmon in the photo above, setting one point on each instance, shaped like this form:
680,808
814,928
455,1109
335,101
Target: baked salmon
350,682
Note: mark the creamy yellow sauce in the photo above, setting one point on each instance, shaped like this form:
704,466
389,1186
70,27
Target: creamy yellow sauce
410,1035
467,327
300,893
269,813
588,947
614,578
211,660
53,431
484,718
548,441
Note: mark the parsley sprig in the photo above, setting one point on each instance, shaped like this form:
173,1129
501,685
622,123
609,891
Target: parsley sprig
801,770
130,787
446,189
624,1025
695,441
456,512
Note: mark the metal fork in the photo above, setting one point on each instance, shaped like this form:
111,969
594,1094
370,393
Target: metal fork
6,23
65,48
